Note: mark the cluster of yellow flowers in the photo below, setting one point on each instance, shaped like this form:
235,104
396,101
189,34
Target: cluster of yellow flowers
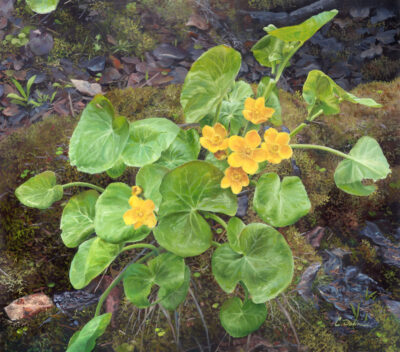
246,151
141,212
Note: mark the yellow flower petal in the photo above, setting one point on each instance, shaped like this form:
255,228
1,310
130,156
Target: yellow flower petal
259,155
136,190
225,182
148,205
128,217
207,132
134,201
220,130
282,138
236,187
236,143
235,160
285,152
250,166
253,139
248,114
270,135
260,103
249,103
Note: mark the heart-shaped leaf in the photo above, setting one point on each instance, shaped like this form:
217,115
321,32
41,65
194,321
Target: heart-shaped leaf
280,204
117,170
240,319
171,300
270,51
99,138
272,100
92,258
147,140
110,209
368,162
211,76
85,340
40,191
264,264
304,31
167,271
77,220
185,147
321,93
149,179
186,190
235,228
42,6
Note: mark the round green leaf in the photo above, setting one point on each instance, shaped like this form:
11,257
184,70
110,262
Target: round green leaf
117,170
92,257
240,319
171,300
265,263
40,191
185,147
209,79
147,140
280,204
42,6
304,31
78,217
167,271
99,138
149,179
110,209
85,340
368,162
186,190
235,228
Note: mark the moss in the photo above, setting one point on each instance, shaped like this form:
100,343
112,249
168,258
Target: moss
270,4
381,69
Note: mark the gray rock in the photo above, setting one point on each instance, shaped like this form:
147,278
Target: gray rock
360,12
373,51
387,37
96,65
40,42
243,204
179,74
313,9
307,279
6,7
1,90
382,14
168,51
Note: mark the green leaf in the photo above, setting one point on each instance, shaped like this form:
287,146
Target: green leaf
99,138
272,101
270,51
220,164
171,300
110,209
78,217
167,271
304,31
210,78
92,257
21,90
368,162
85,340
231,114
40,191
29,85
147,140
321,93
117,170
235,228
186,190
280,204
265,263
42,6
185,147
240,319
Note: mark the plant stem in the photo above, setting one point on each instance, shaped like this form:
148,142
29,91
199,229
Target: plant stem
268,89
246,126
216,244
217,219
140,245
282,66
116,282
325,149
303,124
83,184
217,113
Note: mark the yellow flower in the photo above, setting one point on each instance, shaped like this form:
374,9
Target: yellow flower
136,190
235,178
141,213
214,138
245,152
256,112
276,145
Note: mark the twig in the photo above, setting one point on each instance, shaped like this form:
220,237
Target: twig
149,80
201,317
287,315
166,314
71,108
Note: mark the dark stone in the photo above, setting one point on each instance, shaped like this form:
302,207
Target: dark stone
195,53
373,51
303,71
75,300
6,7
179,74
387,37
393,306
40,42
40,76
243,204
168,51
382,14
339,70
110,75
366,43
312,9
96,65
266,18
314,236
244,68
360,13
1,90
165,62
306,281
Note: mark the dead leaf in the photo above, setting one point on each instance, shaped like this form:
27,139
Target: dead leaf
87,88
28,306
197,21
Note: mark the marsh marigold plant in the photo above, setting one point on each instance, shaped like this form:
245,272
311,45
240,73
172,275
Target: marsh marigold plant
255,110
276,145
142,213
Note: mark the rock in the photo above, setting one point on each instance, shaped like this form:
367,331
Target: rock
179,74
168,51
373,51
74,300
243,204
382,14
3,22
387,37
195,53
40,76
6,7
1,90
244,68
110,75
393,306
312,9
339,70
197,21
360,12
96,65
134,79
28,306
303,71
40,42
306,281
266,18
130,60
366,43
87,88
165,62
314,236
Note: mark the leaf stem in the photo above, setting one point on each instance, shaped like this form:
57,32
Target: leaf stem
116,281
140,245
216,244
245,128
304,124
325,149
217,219
217,113
83,184
282,66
